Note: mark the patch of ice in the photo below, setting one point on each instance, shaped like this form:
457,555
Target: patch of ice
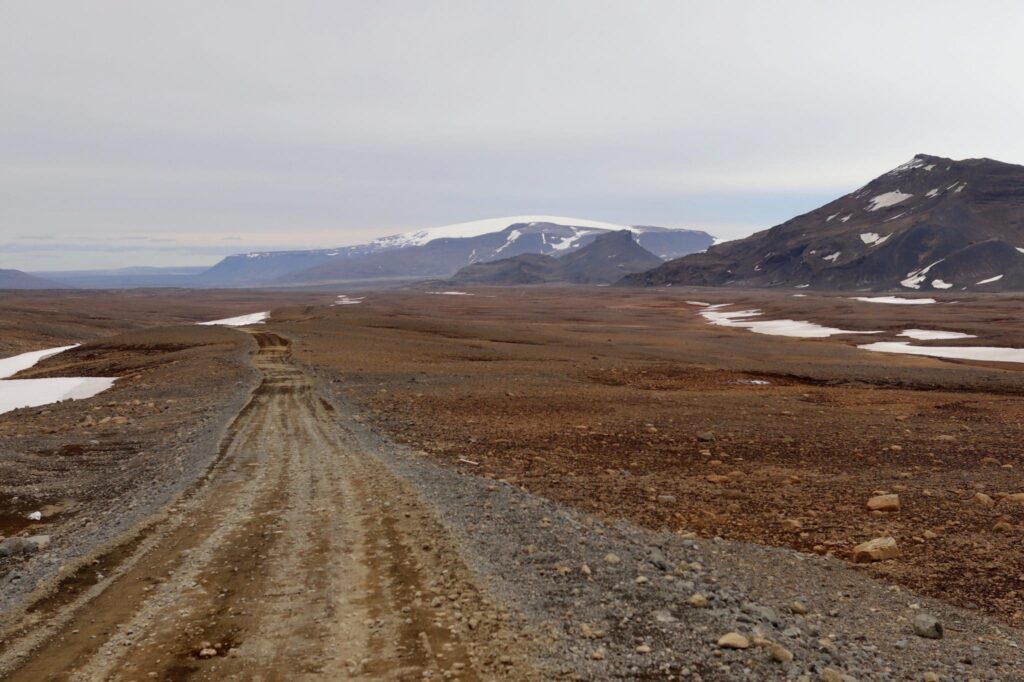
991,279
795,328
1019,249
934,335
801,286
35,516
887,199
845,218
939,284
346,300
982,353
450,293
799,295
895,217
241,320
829,219
17,393
894,300
833,257
753,382
909,165
16,363
700,303
869,237
932,192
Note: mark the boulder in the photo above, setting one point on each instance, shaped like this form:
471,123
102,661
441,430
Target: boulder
879,549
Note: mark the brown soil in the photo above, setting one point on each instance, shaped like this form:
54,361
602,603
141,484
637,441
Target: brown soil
598,398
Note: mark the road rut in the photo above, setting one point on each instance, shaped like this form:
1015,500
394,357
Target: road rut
297,557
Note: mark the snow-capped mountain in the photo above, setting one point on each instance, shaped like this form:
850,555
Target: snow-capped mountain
440,251
604,260
931,224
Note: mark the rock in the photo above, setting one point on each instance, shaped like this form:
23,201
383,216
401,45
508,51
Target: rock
698,601
207,652
706,436
982,500
733,640
35,516
666,499
597,654
39,542
792,525
611,558
798,608
988,461
931,677
1003,526
663,616
643,649
833,675
885,503
716,478
927,626
780,653
879,549
1015,498
15,546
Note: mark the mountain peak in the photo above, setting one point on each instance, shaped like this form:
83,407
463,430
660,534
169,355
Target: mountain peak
929,224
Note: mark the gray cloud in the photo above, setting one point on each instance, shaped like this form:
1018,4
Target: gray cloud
189,124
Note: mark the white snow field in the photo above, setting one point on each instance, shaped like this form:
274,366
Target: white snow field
15,393
476,228
887,199
12,365
241,320
450,293
346,300
985,353
934,335
795,328
894,300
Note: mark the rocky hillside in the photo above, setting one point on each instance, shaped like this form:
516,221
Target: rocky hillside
604,260
931,224
440,252
16,279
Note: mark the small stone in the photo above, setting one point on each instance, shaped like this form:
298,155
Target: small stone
879,549
982,500
798,608
884,503
792,525
597,654
643,649
931,677
733,640
927,626
611,558
666,499
780,653
1015,498
698,601
706,436
641,580
207,652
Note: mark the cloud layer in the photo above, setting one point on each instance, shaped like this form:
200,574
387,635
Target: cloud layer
176,132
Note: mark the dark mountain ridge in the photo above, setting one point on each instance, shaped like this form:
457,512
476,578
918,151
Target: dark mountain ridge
930,224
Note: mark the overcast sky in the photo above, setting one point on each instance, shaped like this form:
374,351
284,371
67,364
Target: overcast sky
175,132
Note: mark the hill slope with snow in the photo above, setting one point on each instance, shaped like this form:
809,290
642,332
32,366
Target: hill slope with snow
932,224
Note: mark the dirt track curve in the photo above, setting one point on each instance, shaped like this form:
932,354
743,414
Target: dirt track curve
296,557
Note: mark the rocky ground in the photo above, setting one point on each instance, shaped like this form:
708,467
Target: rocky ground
587,489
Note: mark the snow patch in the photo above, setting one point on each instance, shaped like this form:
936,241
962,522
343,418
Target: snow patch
795,328
932,193
874,238
934,335
450,293
512,236
833,257
241,320
829,219
17,393
845,218
990,280
939,284
894,300
14,364
915,277
982,353
346,300
887,199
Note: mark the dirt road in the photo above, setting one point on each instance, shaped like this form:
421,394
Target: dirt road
296,557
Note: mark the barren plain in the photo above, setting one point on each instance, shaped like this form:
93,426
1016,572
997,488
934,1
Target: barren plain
515,483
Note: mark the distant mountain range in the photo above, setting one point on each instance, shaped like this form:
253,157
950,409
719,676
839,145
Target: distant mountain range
606,259
932,224
16,279
125,278
438,252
